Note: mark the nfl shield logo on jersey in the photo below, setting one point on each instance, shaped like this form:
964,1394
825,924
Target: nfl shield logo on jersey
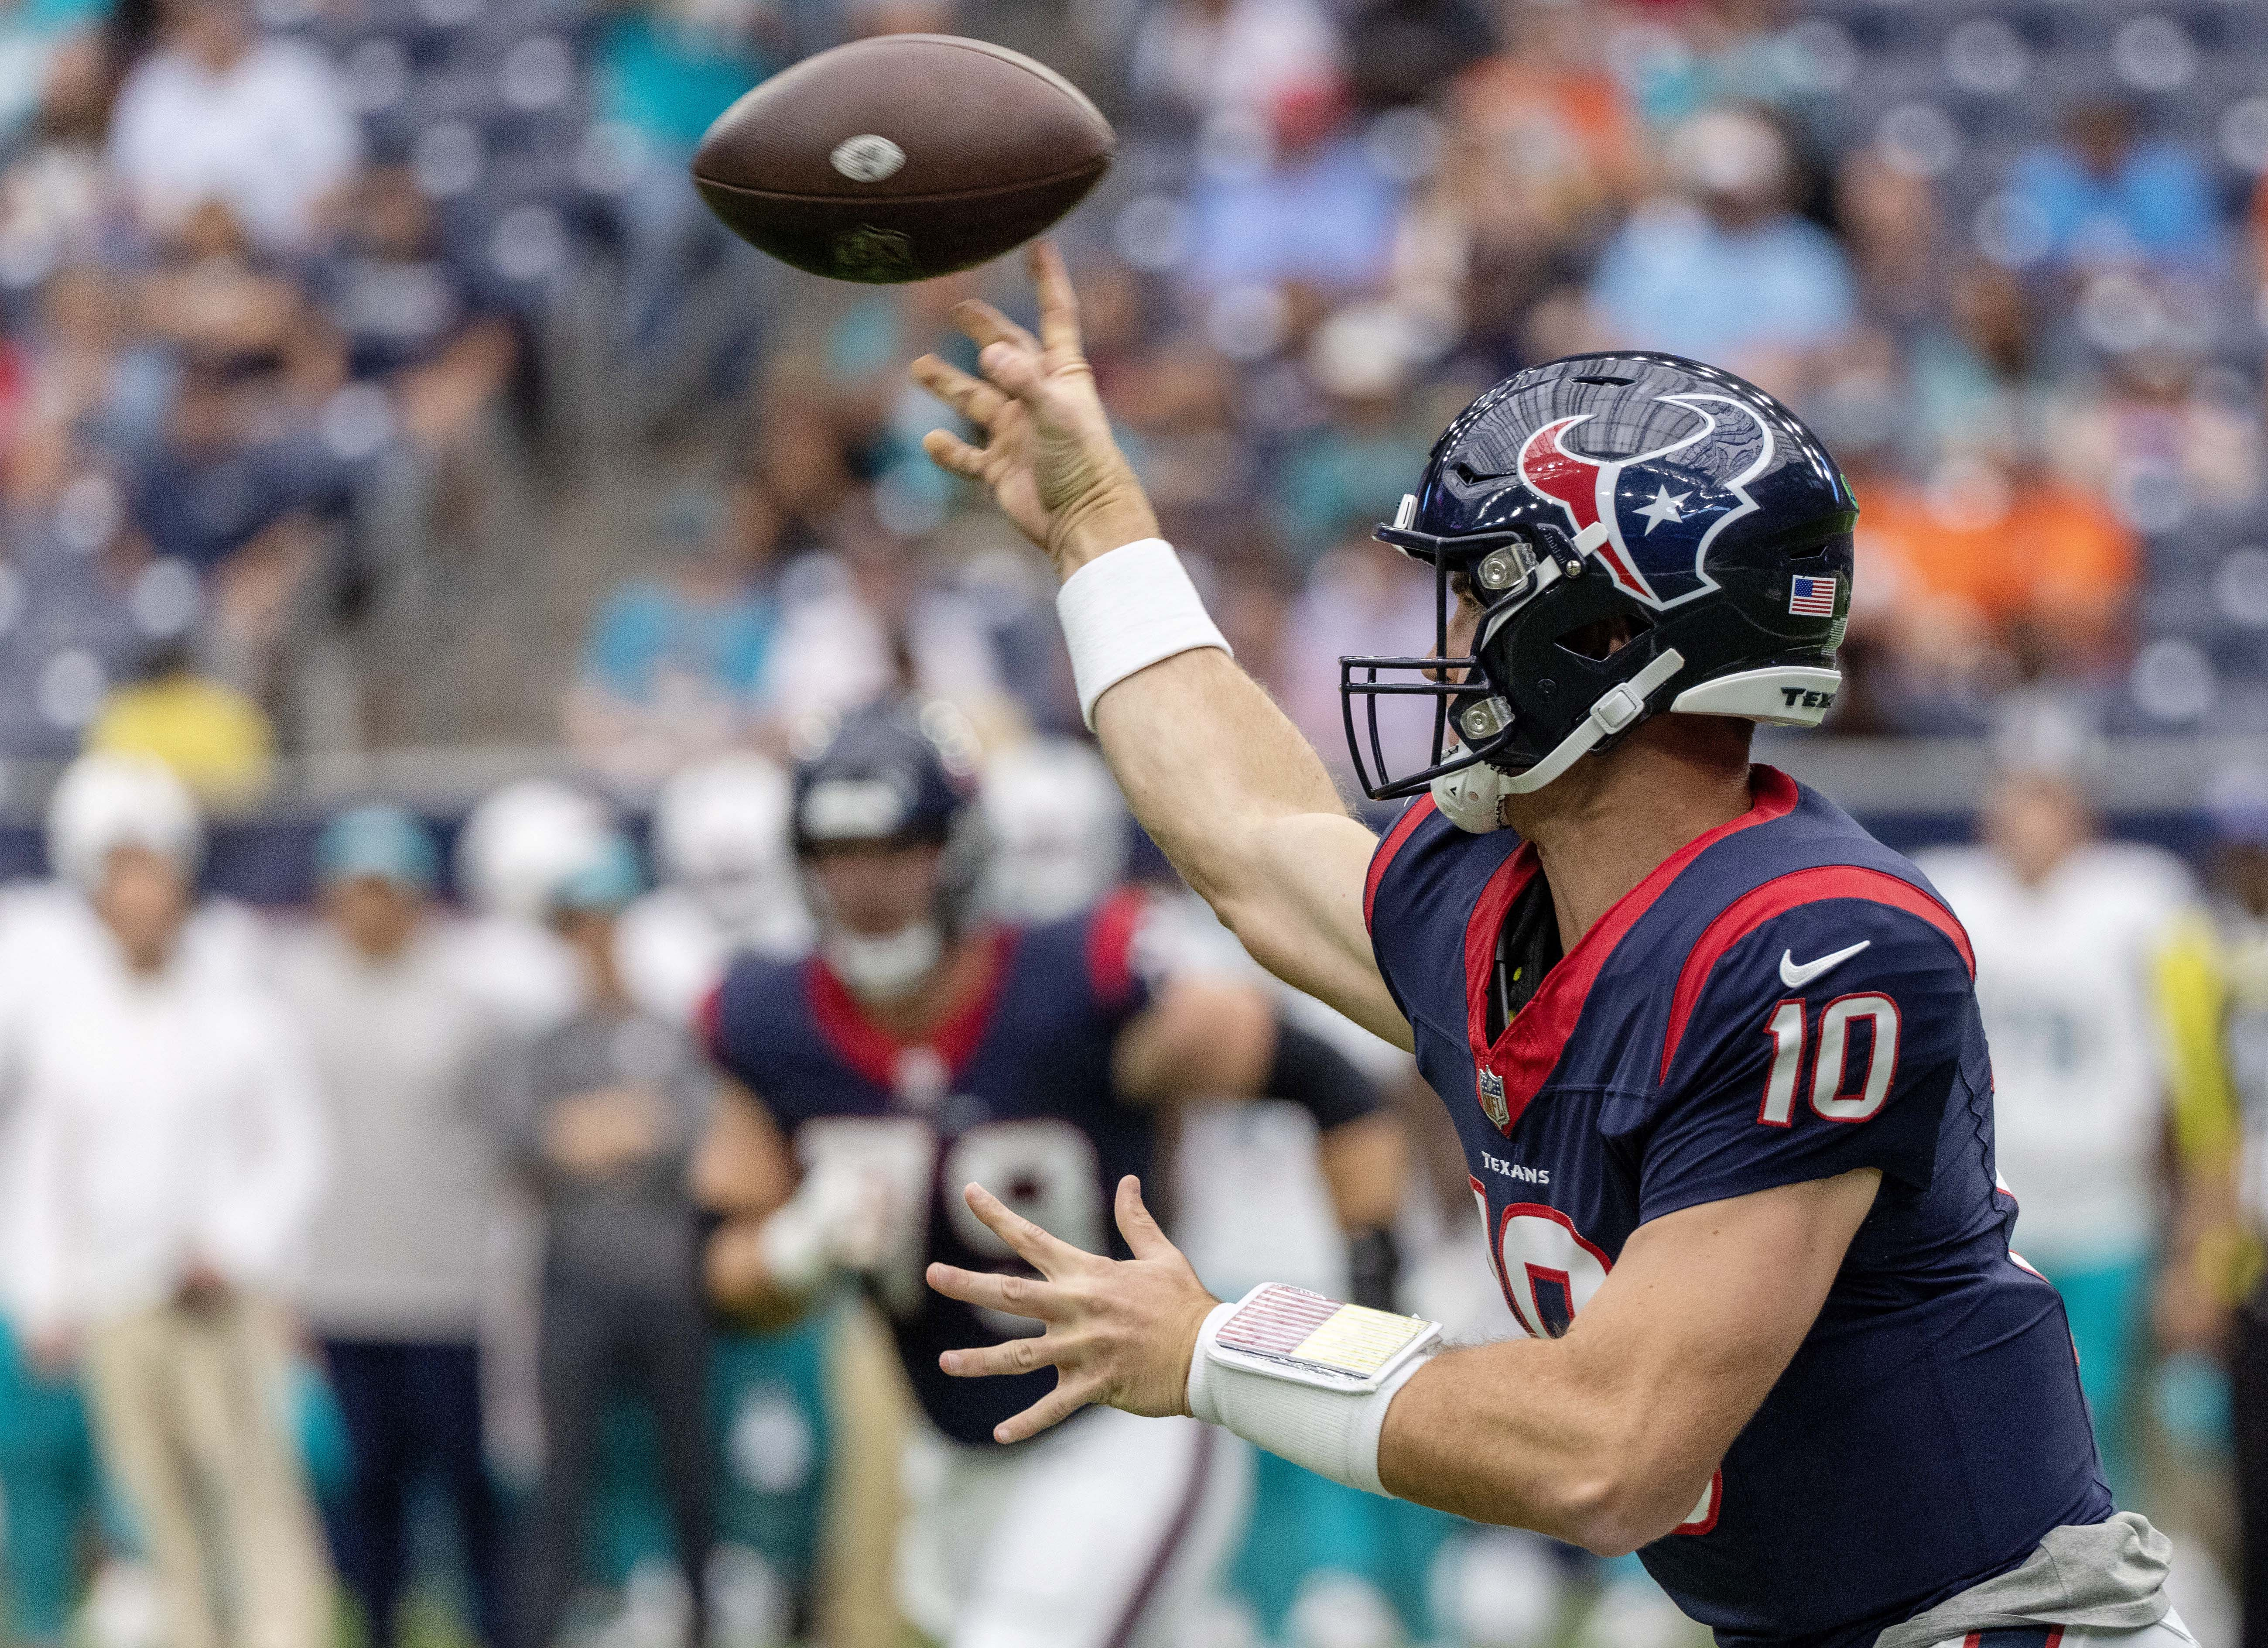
1492,1095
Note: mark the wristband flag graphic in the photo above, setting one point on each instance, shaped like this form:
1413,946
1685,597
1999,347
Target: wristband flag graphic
1301,1336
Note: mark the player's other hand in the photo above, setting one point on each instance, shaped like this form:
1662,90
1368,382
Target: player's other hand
1047,454
1117,1331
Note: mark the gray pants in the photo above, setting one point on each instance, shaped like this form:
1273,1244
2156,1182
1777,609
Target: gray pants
597,1340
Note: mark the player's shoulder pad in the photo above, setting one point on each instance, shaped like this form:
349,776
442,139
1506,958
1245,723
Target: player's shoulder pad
1119,948
749,1010
1817,933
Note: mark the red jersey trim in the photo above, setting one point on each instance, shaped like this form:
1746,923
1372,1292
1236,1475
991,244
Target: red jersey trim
1524,1056
1775,897
1417,813
873,1052
709,1023
1110,946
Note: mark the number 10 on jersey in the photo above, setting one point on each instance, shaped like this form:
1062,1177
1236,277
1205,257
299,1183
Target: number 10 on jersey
1830,1097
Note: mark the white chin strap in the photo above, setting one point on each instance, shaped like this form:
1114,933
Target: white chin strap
879,969
1467,798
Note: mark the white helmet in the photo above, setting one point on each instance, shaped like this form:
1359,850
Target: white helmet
1058,826
522,840
721,832
105,802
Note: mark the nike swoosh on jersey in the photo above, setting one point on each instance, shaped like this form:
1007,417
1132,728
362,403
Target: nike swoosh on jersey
1795,974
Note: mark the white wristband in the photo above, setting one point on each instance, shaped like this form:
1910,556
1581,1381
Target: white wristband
1334,1433
1124,611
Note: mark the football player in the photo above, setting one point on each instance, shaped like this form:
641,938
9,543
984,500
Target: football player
922,1045
1714,1052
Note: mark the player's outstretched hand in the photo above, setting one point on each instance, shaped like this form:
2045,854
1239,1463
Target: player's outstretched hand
1118,1331
1047,454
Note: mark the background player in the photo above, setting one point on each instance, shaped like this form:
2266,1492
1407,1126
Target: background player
919,1042
2067,929
1772,1293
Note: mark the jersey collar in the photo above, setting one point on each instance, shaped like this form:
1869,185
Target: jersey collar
880,1056
1525,1053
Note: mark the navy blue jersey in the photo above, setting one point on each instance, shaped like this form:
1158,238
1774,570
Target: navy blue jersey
1782,1000
1013,1092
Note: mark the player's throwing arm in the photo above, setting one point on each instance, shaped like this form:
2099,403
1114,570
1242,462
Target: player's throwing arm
1221,780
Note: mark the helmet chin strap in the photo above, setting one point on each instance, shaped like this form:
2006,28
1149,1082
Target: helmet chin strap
1469,797
884,968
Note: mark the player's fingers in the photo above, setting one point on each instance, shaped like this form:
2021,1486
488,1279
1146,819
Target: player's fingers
1049,1255
980,320
1014,1356
1016,371
973,398
1018,1295
1136,1224
1056,1405
949,451
1058,299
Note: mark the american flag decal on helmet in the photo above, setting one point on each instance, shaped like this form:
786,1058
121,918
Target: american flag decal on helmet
1811,597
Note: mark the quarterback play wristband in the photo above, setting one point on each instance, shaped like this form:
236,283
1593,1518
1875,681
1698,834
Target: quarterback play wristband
1308,1377
1126,610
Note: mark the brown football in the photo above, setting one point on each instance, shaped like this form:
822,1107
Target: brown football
903,156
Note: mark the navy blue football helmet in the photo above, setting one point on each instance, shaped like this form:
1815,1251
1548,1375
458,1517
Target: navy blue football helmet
898,773
1671,495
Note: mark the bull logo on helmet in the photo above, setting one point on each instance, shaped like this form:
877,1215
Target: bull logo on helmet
1650,518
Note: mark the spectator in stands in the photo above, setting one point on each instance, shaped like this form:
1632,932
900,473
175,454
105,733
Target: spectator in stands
1197,62
1360,461
408,318
802,457
1976,381
665,70
233,498
215,736
1982,550
2066,929
879,617
1314,208
602,1115
88,375
1399,51
1541,154
2106,195
2161,410
676,666
1723,268
170,1154
396,1272
1888,214
223,113
41,41
1548,104
1358,601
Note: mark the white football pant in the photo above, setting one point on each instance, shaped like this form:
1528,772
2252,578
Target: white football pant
1105,1532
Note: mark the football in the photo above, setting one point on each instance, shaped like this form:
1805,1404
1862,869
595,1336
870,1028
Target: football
903,156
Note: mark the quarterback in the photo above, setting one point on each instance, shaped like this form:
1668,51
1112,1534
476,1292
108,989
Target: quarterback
1714,1052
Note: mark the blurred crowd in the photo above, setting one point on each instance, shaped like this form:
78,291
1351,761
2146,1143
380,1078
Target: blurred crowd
372,374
